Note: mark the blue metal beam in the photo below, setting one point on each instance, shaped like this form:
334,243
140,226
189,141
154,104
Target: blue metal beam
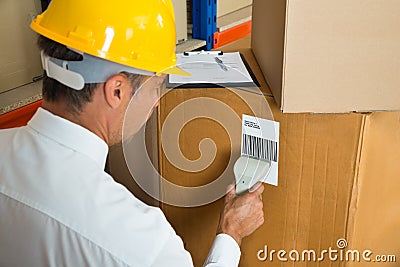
205,20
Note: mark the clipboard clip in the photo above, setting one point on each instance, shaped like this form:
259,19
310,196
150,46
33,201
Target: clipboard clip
202,52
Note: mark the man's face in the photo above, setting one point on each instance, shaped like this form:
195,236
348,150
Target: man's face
142,105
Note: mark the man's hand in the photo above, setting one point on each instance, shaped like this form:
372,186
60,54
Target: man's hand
243,214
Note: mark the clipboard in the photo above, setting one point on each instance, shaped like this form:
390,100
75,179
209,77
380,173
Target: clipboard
251,82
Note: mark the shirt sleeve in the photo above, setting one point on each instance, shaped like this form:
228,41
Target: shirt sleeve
173,253
225,252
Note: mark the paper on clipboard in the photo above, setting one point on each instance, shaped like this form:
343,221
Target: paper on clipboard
208,67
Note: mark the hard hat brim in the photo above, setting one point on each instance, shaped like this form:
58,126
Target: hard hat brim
175,70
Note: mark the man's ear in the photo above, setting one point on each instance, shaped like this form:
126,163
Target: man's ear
116,89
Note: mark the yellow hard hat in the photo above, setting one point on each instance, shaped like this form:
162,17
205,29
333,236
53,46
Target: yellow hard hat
136,33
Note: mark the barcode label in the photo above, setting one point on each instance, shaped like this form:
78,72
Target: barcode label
260,148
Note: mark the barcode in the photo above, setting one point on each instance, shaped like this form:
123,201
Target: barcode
260,148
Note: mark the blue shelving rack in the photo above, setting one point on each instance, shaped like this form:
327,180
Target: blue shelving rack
205,20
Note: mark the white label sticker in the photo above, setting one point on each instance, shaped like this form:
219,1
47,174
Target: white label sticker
260,140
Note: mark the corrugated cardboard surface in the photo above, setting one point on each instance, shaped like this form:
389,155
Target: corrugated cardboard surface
337,56
375,225
329,174
227,6
121,172
180,20
20,57
307,210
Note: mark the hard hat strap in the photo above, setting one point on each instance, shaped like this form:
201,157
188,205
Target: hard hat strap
91,69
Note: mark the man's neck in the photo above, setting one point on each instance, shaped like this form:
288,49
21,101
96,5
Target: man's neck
83,119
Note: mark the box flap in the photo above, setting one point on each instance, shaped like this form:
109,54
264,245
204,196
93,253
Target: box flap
377,213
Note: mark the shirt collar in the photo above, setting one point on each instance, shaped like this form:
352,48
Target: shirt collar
70,135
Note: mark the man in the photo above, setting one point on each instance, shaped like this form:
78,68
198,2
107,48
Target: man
57,205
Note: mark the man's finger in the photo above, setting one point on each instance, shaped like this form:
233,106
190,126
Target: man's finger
255,187
259,189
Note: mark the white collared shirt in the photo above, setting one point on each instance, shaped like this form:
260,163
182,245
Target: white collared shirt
59,208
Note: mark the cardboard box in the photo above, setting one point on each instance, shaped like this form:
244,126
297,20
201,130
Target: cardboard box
329,57
20,58
235,18
117,161
375,214
338,178
228,6
180,20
